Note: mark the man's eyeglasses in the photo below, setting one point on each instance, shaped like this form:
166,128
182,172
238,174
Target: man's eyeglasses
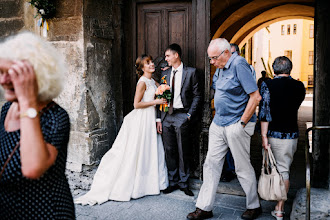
216,57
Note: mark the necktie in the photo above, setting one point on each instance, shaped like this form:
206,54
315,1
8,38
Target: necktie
170,110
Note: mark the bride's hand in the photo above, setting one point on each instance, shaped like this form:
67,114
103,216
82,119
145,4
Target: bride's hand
160,101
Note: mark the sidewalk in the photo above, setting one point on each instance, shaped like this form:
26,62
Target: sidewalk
173,206
229,206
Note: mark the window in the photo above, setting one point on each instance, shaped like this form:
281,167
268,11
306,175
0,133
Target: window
310,80
288,29
288,54
282,30
311,31
294,28
311,58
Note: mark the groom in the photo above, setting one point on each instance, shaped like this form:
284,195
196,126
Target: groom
175,124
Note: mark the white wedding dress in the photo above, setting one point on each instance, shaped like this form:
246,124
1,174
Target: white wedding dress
135,165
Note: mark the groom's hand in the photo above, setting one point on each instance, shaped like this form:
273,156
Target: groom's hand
159,127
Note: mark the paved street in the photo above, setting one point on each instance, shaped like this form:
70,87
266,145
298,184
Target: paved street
229,206
168,207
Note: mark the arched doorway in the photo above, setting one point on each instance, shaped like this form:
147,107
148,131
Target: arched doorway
238,20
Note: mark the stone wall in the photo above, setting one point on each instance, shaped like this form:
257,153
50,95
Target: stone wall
11,17
103,95
11,21
88,33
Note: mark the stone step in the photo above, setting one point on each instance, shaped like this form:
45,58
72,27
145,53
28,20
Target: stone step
320,204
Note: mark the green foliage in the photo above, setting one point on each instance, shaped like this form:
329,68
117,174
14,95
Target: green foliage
166,95
45,8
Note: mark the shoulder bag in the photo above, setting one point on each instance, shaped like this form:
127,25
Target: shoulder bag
271,184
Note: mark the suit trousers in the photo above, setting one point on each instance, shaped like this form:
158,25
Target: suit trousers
176,139
237,139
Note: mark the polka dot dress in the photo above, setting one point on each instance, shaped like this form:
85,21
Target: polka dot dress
49,197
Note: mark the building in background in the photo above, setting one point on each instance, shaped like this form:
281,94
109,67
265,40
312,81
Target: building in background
293,38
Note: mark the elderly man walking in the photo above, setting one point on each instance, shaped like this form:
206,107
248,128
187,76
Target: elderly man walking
236,98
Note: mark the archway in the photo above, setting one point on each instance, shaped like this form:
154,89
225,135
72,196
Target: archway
236,31
238,21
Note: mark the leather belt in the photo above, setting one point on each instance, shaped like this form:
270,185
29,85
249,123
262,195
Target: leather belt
179,110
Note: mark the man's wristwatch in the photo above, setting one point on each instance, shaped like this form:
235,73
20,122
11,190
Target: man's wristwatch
188,115
30,113
243,123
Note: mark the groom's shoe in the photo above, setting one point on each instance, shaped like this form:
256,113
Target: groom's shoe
187,191
170,189
251,214
199,214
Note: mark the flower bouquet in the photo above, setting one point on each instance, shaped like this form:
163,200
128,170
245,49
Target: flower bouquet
163,91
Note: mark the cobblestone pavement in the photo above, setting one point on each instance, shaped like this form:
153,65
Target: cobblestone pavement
228,206
170,207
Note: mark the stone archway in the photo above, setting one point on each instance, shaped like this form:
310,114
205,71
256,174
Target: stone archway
247,19
238,20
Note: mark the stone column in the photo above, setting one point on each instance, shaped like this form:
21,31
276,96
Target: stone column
321,111
203,68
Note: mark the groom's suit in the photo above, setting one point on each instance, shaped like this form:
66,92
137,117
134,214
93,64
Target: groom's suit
176,126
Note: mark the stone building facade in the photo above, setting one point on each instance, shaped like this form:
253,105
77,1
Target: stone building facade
89,34
96,37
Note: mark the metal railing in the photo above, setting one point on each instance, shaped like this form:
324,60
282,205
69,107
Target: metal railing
308,151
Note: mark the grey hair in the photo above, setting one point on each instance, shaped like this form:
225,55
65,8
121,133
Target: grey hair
48,63
282,65
220,43
236,47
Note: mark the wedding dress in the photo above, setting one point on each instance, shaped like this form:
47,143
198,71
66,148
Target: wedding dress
135,165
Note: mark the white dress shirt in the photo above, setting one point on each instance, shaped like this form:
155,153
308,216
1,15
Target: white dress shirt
177,87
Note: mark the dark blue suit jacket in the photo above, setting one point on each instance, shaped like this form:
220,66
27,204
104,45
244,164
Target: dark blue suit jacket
190,90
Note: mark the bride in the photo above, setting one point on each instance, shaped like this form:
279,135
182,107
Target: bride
135,165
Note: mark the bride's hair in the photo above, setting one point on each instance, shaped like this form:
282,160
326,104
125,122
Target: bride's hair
140,61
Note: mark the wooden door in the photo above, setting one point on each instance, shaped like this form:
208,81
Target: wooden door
149,27
161,24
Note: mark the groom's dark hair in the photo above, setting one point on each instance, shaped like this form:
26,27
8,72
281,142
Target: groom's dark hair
175,48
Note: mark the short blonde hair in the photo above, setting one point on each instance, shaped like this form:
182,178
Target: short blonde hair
48,63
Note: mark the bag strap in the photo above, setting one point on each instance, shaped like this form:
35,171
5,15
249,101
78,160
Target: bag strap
42,111
271,157
265,162
7,161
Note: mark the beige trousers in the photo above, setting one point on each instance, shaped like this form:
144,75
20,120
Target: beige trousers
238,140
283,150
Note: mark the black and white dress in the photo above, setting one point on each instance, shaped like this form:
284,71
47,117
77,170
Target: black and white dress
49,197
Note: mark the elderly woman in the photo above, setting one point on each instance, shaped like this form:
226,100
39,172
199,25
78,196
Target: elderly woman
34,132
281,99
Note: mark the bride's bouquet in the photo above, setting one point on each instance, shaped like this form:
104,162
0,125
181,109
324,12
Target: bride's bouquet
163,91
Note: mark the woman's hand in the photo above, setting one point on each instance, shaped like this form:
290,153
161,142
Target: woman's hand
5,65
160,101
265,143
25,83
